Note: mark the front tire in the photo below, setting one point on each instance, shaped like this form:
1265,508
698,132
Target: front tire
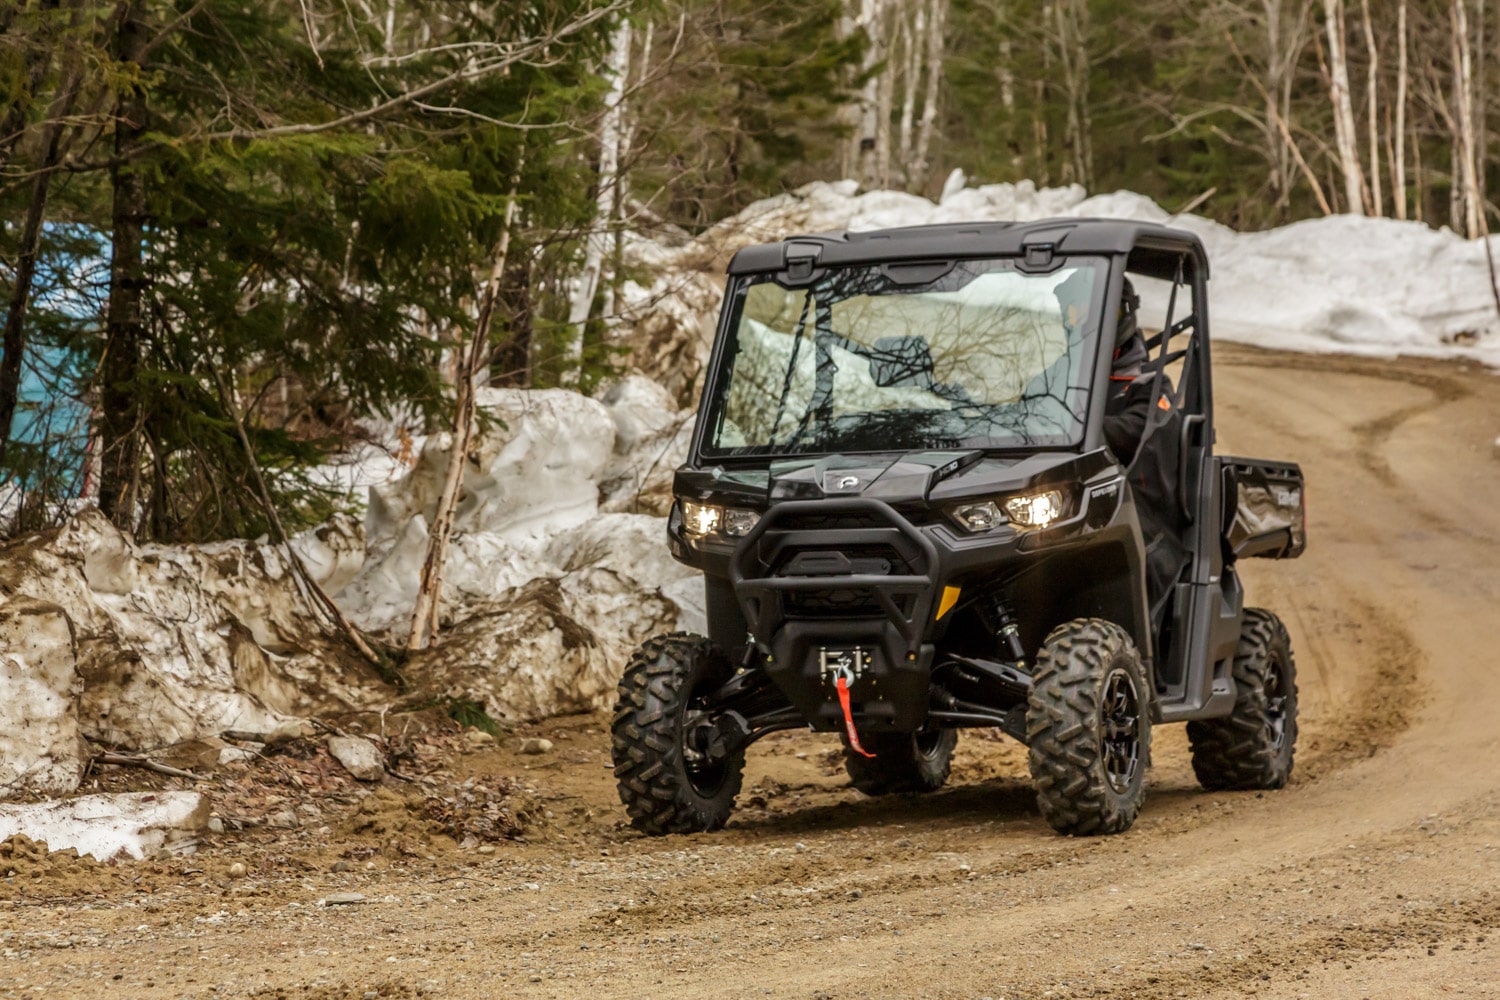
903,762
1252,748
1089,728
668,783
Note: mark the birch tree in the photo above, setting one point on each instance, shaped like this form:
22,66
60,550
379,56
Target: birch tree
867,138
1398,160
1372,88
1463,99
474,361
597,240
1343,109
933,67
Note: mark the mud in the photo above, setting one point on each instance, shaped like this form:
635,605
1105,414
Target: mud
1375,874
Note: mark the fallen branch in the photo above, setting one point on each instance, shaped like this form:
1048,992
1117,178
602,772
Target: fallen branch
123,760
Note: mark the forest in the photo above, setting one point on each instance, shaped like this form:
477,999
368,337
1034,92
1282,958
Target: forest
232,236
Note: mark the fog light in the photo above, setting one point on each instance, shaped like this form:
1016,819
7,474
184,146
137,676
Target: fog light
701,518
1036,510
979,516
739,522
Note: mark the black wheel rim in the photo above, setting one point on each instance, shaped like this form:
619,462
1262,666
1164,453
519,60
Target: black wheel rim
1277,699
704,773
1120,730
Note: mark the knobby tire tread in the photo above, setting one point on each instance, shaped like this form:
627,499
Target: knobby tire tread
1237,753
1063,728
646,740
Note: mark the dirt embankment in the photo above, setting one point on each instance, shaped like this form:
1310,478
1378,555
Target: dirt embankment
1376,874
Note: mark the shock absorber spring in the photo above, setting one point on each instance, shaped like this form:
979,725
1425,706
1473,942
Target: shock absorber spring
1008,631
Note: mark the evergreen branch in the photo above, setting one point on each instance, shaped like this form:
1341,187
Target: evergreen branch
517,55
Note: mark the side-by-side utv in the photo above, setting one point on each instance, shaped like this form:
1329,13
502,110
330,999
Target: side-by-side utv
949,477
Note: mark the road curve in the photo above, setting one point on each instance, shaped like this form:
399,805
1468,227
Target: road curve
1375,874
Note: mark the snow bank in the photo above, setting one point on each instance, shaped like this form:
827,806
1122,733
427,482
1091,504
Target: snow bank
105,826
1340,284
546,589
151,645
556,571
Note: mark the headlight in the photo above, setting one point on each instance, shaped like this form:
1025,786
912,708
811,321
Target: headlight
979,516
701,518
705,519
1036,510
739,522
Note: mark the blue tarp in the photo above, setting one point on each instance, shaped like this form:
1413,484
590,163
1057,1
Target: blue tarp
69,293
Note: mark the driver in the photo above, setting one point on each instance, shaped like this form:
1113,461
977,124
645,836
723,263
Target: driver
1129,400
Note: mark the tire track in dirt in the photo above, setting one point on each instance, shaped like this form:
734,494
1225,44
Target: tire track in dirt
1379,864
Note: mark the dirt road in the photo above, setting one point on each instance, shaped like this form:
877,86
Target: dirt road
1375,874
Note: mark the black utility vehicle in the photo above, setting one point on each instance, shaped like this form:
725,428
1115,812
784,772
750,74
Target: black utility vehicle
941,479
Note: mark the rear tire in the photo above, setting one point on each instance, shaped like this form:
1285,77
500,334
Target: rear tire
903,762
1088,725
667,784
1253,747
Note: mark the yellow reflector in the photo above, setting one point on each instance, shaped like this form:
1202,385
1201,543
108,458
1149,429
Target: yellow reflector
950,598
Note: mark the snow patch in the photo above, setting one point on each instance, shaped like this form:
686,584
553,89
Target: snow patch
105,826
41,747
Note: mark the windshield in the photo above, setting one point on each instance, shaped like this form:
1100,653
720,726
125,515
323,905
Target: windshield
975,354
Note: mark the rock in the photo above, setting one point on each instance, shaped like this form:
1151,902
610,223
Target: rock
535,745
478,737
238,870
105,826
344,898
359,756
215,825
41,747
240,755
340,867
486,848
288,730
286,819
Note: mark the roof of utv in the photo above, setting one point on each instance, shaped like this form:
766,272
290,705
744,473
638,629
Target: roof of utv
1155,246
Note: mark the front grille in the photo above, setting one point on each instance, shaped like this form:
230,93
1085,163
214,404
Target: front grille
852,560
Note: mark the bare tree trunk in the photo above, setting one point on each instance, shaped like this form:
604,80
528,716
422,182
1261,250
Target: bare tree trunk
119,430
866,138
617,65
1007,77
1419,195
913,32
425,612
1377,206
936,49
850,114
14,349
1343,109
1072,36
1280,157
1481,105
886,99
1398,193
1463,97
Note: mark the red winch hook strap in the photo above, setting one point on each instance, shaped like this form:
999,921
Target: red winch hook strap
843,686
